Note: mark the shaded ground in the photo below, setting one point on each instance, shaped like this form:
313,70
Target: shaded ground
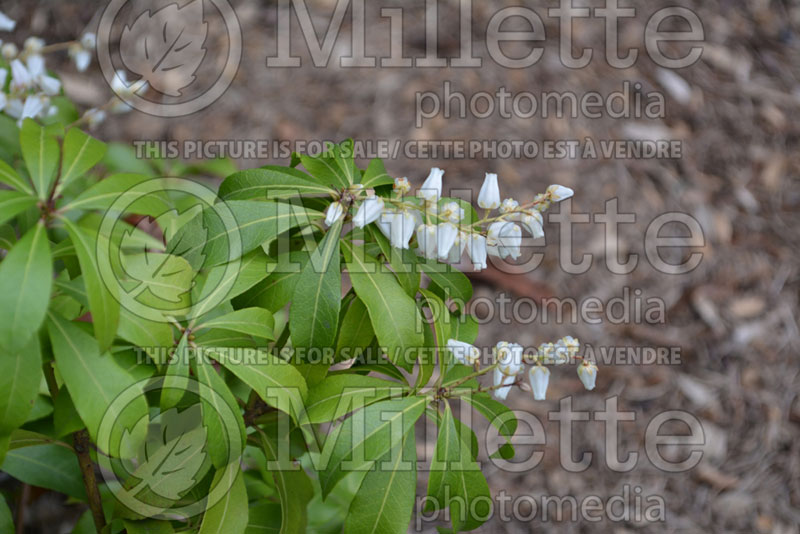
733,318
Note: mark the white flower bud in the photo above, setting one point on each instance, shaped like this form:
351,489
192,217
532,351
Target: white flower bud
588,374
9,51
80,56
501,379
21,78
402,186
426,239
464,352
533,223
454,256
540,378
94,117
558,193
431,189
489,196
369,211
446,238
33,45
477,251
509,205
333,213
89,41
34,106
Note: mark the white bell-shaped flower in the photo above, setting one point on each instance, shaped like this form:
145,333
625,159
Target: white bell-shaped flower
431,189
6,23
559,192
21,78
426,240
447,233
50,85
540,378
9,51
506,238
477,251
588,374
489,196
333,213
464,352
35,106
88,41
368,211
509,358
33,45
452,212
403,224
502,383
80,56
456,251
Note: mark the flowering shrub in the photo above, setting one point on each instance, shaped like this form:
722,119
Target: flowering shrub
255,357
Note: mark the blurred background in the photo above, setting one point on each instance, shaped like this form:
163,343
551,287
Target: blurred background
733,320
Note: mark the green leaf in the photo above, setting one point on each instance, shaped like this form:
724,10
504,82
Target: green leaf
11,178
41,154
6,522
278,383
367,436
255,223
149,335
93,379
103,301
46,466
497,413
293,485
455,479
266,517
148,526
162,282
251,321
81,153
394,315
269,183
221,445
176,378
340,394
355,333
13,203
116,190
385,501
229,515
376,175
439,334
314,315
26,276
455,284
334,167
275,291
406,274
20,375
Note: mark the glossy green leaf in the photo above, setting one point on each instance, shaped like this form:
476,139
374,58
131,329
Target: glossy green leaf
385,501
269,183
276,290
13,203
41,154
93,379
11,178
6,521
438,333
229,515
20,375
81,153
116,191
341,394
355,332
251,321
394,315
405,271
455,480
314,315
376,175
334,167
46,466
293,485
26,276
148,526
367,436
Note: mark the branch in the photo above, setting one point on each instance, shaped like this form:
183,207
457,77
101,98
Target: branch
81,443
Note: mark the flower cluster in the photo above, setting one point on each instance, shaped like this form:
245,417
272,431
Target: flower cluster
509,364
31,86
440,229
